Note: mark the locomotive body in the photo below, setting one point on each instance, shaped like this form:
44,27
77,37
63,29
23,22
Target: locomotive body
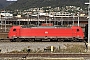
18,33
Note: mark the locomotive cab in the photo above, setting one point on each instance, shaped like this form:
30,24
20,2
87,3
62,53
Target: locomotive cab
14,32
78,32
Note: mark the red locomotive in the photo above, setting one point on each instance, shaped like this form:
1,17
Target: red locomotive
19,33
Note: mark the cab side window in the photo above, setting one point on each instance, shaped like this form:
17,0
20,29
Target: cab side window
14,29
77,30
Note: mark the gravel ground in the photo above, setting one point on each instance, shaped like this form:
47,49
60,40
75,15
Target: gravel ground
12,46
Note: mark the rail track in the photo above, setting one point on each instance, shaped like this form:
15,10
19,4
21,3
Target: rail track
54,55
39,46
3,35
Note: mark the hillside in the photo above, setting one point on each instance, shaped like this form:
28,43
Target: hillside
25,4
3,3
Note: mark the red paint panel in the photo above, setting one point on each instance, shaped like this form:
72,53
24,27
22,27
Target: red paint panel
46,32
49,32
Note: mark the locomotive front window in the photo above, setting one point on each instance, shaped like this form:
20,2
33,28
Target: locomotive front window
77,30
14,29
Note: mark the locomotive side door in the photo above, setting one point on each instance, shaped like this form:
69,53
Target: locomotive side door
16,32
74,33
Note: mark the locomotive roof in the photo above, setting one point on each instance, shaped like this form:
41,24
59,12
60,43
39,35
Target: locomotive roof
55,26
38,26
44,27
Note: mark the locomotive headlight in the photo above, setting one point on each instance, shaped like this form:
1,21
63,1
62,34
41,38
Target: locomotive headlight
78,36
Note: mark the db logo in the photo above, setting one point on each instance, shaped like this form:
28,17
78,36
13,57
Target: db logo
46,32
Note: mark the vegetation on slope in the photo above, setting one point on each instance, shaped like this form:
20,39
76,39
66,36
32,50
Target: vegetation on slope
26,4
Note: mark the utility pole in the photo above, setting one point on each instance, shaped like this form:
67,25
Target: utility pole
38,16
27,18
78,18
73,19
5,20
1,21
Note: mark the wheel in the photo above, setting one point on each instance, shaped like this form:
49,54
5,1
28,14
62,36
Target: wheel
74,40
18,40
60,40
31,40
11,40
